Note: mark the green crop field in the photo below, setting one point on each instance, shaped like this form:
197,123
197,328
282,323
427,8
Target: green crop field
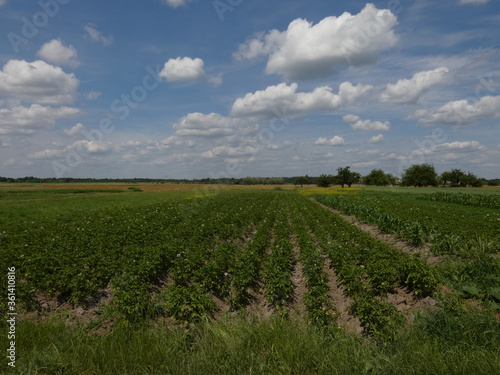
111,280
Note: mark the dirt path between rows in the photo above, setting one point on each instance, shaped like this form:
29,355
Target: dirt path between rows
298,307
391,239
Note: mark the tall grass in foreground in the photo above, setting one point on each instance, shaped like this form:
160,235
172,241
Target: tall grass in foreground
440,343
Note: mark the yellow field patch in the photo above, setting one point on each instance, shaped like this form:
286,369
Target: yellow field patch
328,191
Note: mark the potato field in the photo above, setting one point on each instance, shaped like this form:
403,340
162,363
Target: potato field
362,268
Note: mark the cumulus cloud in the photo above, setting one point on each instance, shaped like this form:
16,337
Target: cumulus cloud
92,147
410,90
23,120
465,146
57,53
305,51
229,151
176,3
376,139
187,69
212,125
75,130
334,141
473,2
461,112
96,36
357,123
47,154
364,164
92,95
37,82
285,98
82,147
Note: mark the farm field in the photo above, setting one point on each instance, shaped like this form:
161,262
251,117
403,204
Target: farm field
237,280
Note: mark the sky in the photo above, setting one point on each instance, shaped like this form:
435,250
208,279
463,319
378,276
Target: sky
236,88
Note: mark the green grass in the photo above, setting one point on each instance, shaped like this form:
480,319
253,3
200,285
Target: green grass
439,343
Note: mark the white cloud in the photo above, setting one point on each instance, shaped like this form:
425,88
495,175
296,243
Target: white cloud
284,99
176,3
3,2
229,151
334,141
23,120
75,130
92,147
410,90
96,36
306,51
37,82
212,125
351,118
364,164
461,112
187,69
358,124
47,154
465,145
473,1
376,139
57,53
92,95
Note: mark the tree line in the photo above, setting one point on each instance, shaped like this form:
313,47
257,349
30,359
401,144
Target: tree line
416,175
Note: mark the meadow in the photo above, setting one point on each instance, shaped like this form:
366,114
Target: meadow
183,279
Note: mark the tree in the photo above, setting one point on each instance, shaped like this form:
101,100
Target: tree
457,178
324,180
420,175
377,177
445,178
471,180
346,177
301,180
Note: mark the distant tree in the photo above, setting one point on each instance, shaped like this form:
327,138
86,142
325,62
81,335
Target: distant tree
392,179
471,180
324,180
444,178
457,178
377,177
346,177
420,175
302,180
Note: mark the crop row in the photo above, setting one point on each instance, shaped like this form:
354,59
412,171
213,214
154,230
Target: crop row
368,269
476,200
318,305
416,227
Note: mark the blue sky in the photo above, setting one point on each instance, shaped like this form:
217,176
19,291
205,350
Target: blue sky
235,88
